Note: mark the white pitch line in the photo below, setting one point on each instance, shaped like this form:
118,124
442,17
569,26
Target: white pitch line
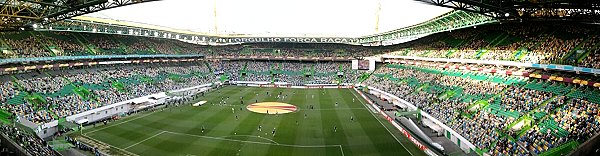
380,121
254,142
342,149
119,123
326,109
155,135
110,145
251,136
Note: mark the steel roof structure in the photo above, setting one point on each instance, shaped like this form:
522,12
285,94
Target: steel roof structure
26,14
577,10
29,14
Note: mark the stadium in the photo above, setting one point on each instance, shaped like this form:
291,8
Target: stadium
266,77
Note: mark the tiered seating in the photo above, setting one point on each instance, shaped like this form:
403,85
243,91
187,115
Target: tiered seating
64,42
48,44
556,88
319,73
574,122
475,76
561,114
466,88
522,100
497,109
17,99
31,143
546,43
104,44
552,127
592,95
60,95
522,42
4,116
24,45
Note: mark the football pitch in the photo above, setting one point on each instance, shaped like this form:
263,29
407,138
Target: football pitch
324,129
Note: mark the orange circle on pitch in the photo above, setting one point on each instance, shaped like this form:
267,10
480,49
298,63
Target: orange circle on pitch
271,108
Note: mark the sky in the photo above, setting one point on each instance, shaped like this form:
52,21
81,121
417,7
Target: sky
347,18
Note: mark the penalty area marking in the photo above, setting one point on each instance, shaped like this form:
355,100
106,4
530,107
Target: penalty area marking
341,150
155,135
119,123
376,118
228,136
84,135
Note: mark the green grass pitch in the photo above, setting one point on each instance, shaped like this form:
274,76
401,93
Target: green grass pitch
178,130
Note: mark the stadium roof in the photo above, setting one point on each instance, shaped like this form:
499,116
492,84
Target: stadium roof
340,18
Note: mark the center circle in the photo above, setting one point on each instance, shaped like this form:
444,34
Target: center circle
271,108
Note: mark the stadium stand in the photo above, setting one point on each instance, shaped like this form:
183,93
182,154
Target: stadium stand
30,142
56,94
485,107
47,44
546,43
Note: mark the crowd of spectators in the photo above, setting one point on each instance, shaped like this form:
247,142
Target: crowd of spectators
547,43
577,119
63,44
297,73
483,130
521,99
61,101
29,109
25,47
292,72
31,143
46,44
9,90
447,111
499,55
592,60
101,42
231,68
530,43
